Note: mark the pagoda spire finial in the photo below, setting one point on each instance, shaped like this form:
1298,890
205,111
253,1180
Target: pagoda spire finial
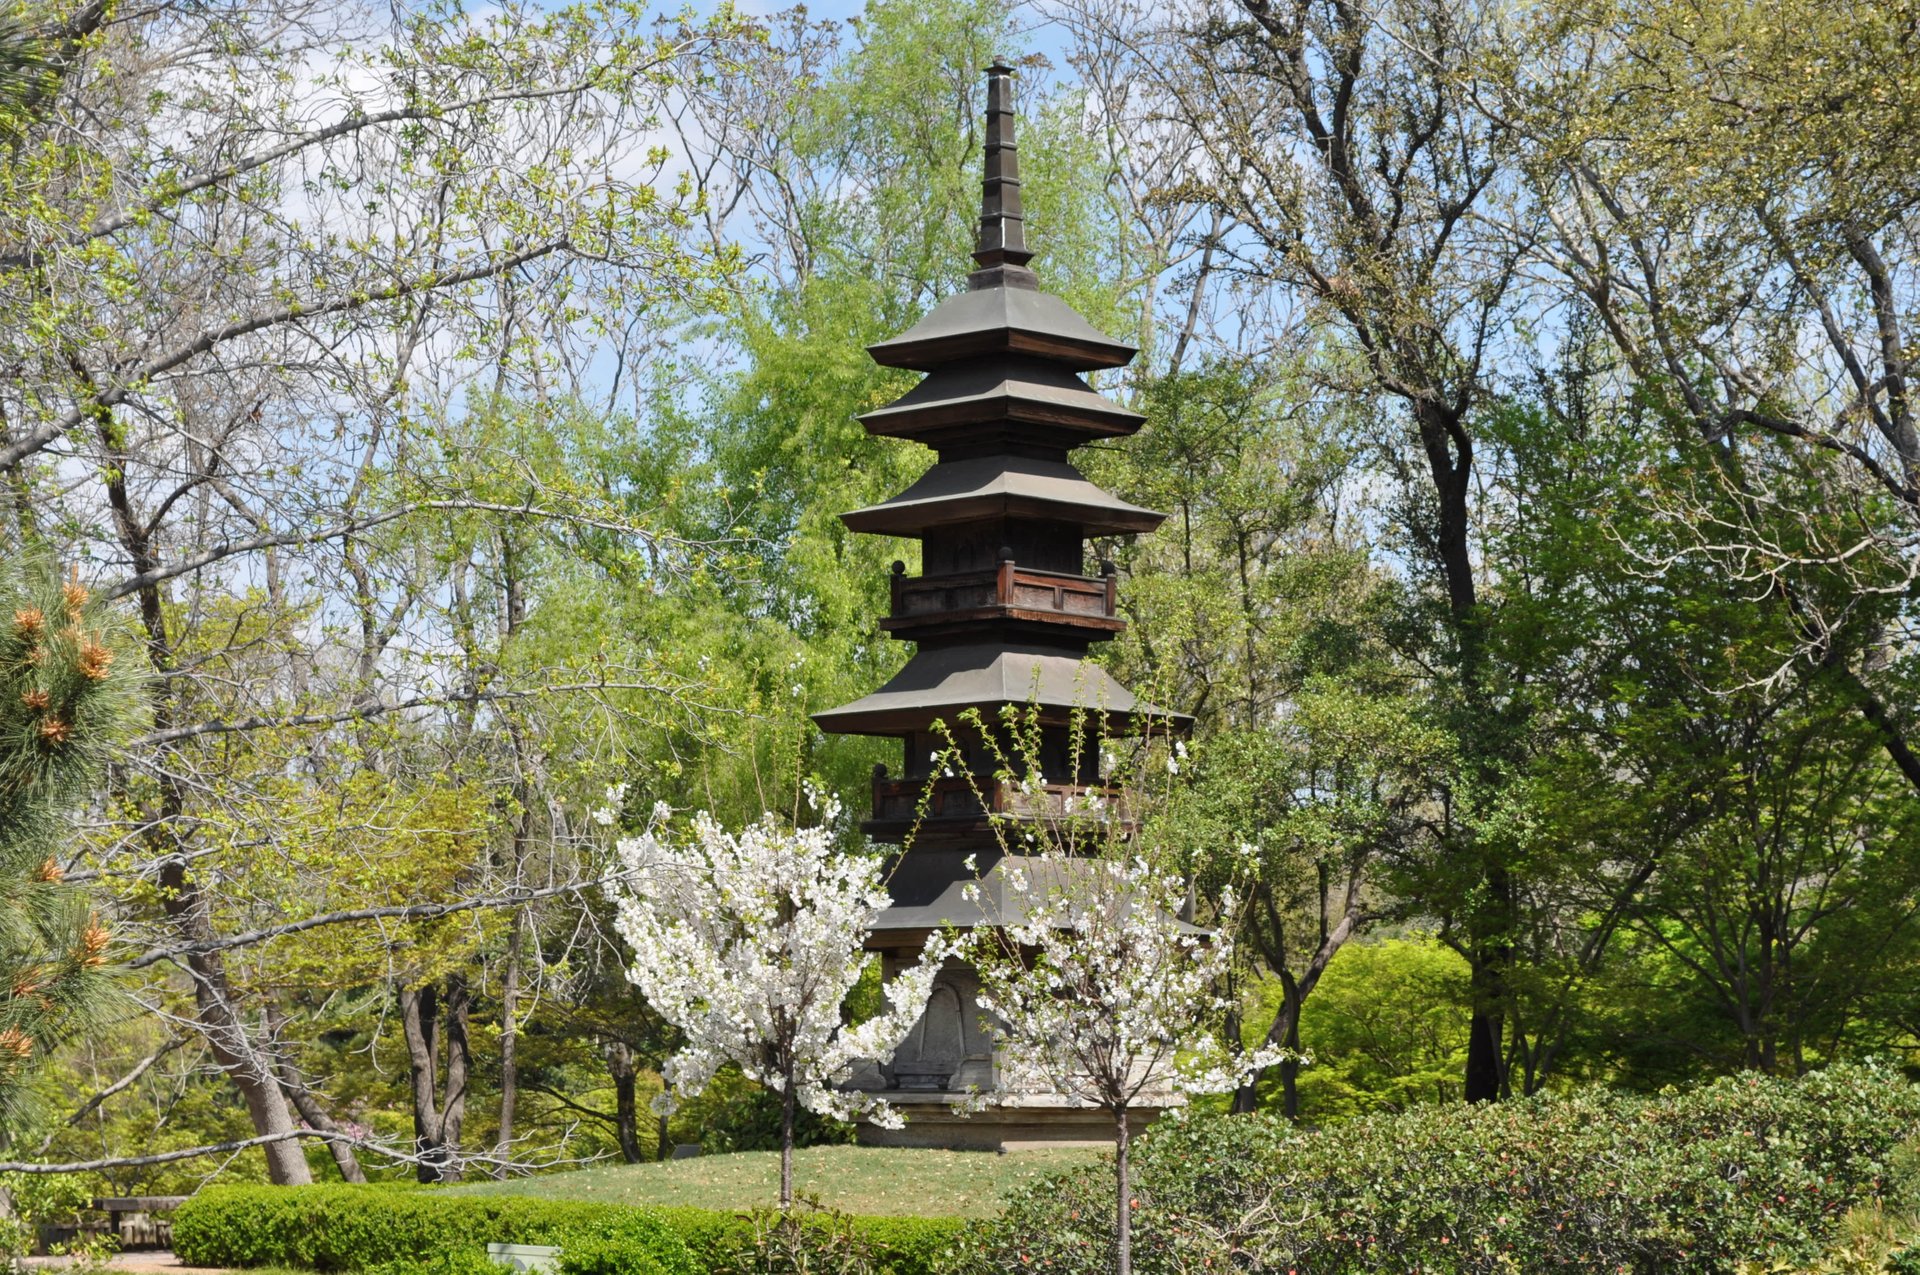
1002,248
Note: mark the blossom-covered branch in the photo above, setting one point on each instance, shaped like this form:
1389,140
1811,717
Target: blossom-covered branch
749,943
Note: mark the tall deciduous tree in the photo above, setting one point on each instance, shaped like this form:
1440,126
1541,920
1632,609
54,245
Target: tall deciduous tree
1699,839
252,262
1340,142
1731,190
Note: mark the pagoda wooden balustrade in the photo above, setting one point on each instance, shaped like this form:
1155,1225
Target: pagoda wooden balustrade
1009,588
898,800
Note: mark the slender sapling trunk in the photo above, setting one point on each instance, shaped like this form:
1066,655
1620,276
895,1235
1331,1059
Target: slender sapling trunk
1123,1199
786,1143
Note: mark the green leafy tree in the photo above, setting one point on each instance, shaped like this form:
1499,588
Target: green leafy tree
1340,142
1383,1030
1731,190
1708,886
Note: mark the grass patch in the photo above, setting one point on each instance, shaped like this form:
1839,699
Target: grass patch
874,1181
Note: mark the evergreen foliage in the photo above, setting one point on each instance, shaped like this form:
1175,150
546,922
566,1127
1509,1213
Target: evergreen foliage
1702,1180
341,1228
67,699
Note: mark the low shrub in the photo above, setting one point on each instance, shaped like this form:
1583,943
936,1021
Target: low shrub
358,1228
459,1261
814,1241
403,1231
1591,1181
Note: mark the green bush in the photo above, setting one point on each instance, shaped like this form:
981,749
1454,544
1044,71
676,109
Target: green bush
735,1114
459,1261
419,1232
1591,1181
356,1228
831,1243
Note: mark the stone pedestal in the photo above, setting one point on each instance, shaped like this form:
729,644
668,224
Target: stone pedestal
947,1081
1017,1122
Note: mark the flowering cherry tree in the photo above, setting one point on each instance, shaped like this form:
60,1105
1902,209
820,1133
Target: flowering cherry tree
749,944
1102,992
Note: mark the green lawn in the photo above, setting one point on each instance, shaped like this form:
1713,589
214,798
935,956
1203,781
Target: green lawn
872,1180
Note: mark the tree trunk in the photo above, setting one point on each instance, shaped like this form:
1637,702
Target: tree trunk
1491,961
1449,451
1122,1198
626,1122
1484,1033
1285,1030
1285,1026
344,1158
1290,1073
509,1041
786,1144
219,1017
662,1133
453,1109
420,1025
316,1116
428,1026
228,1035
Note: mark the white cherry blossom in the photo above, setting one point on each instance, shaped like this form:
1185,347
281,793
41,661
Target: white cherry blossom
1099,991
749,944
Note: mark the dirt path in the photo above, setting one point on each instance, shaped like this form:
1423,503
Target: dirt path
146,1262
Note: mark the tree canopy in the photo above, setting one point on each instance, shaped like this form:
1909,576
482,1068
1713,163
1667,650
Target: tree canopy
448,412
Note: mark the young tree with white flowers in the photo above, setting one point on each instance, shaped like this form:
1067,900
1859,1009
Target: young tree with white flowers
1100,990
749,944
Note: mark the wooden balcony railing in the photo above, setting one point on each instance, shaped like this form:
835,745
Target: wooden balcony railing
897,801
1007,588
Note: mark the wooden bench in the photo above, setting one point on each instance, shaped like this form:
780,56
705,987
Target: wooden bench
132,1218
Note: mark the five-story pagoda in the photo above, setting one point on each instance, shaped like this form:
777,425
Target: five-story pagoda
1003,614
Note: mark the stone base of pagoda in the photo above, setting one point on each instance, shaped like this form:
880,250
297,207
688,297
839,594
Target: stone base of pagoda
1012,1122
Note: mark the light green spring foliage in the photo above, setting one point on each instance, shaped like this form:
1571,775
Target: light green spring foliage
1384,1029
1249,585
68,699
702,590
1807,106
884,143
1736,839
1768,150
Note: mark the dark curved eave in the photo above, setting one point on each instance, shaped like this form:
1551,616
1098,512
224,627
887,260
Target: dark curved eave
1023,391
1002,321
985,487
942,682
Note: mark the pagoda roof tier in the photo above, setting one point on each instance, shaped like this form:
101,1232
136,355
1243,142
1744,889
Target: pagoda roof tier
960,491
928,890
944,681
1000,401
1002,320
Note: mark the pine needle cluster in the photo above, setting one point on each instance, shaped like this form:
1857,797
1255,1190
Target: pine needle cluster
67,699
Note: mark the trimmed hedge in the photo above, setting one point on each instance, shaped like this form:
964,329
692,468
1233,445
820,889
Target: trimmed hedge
357,1228
1697,1181
1592,1181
